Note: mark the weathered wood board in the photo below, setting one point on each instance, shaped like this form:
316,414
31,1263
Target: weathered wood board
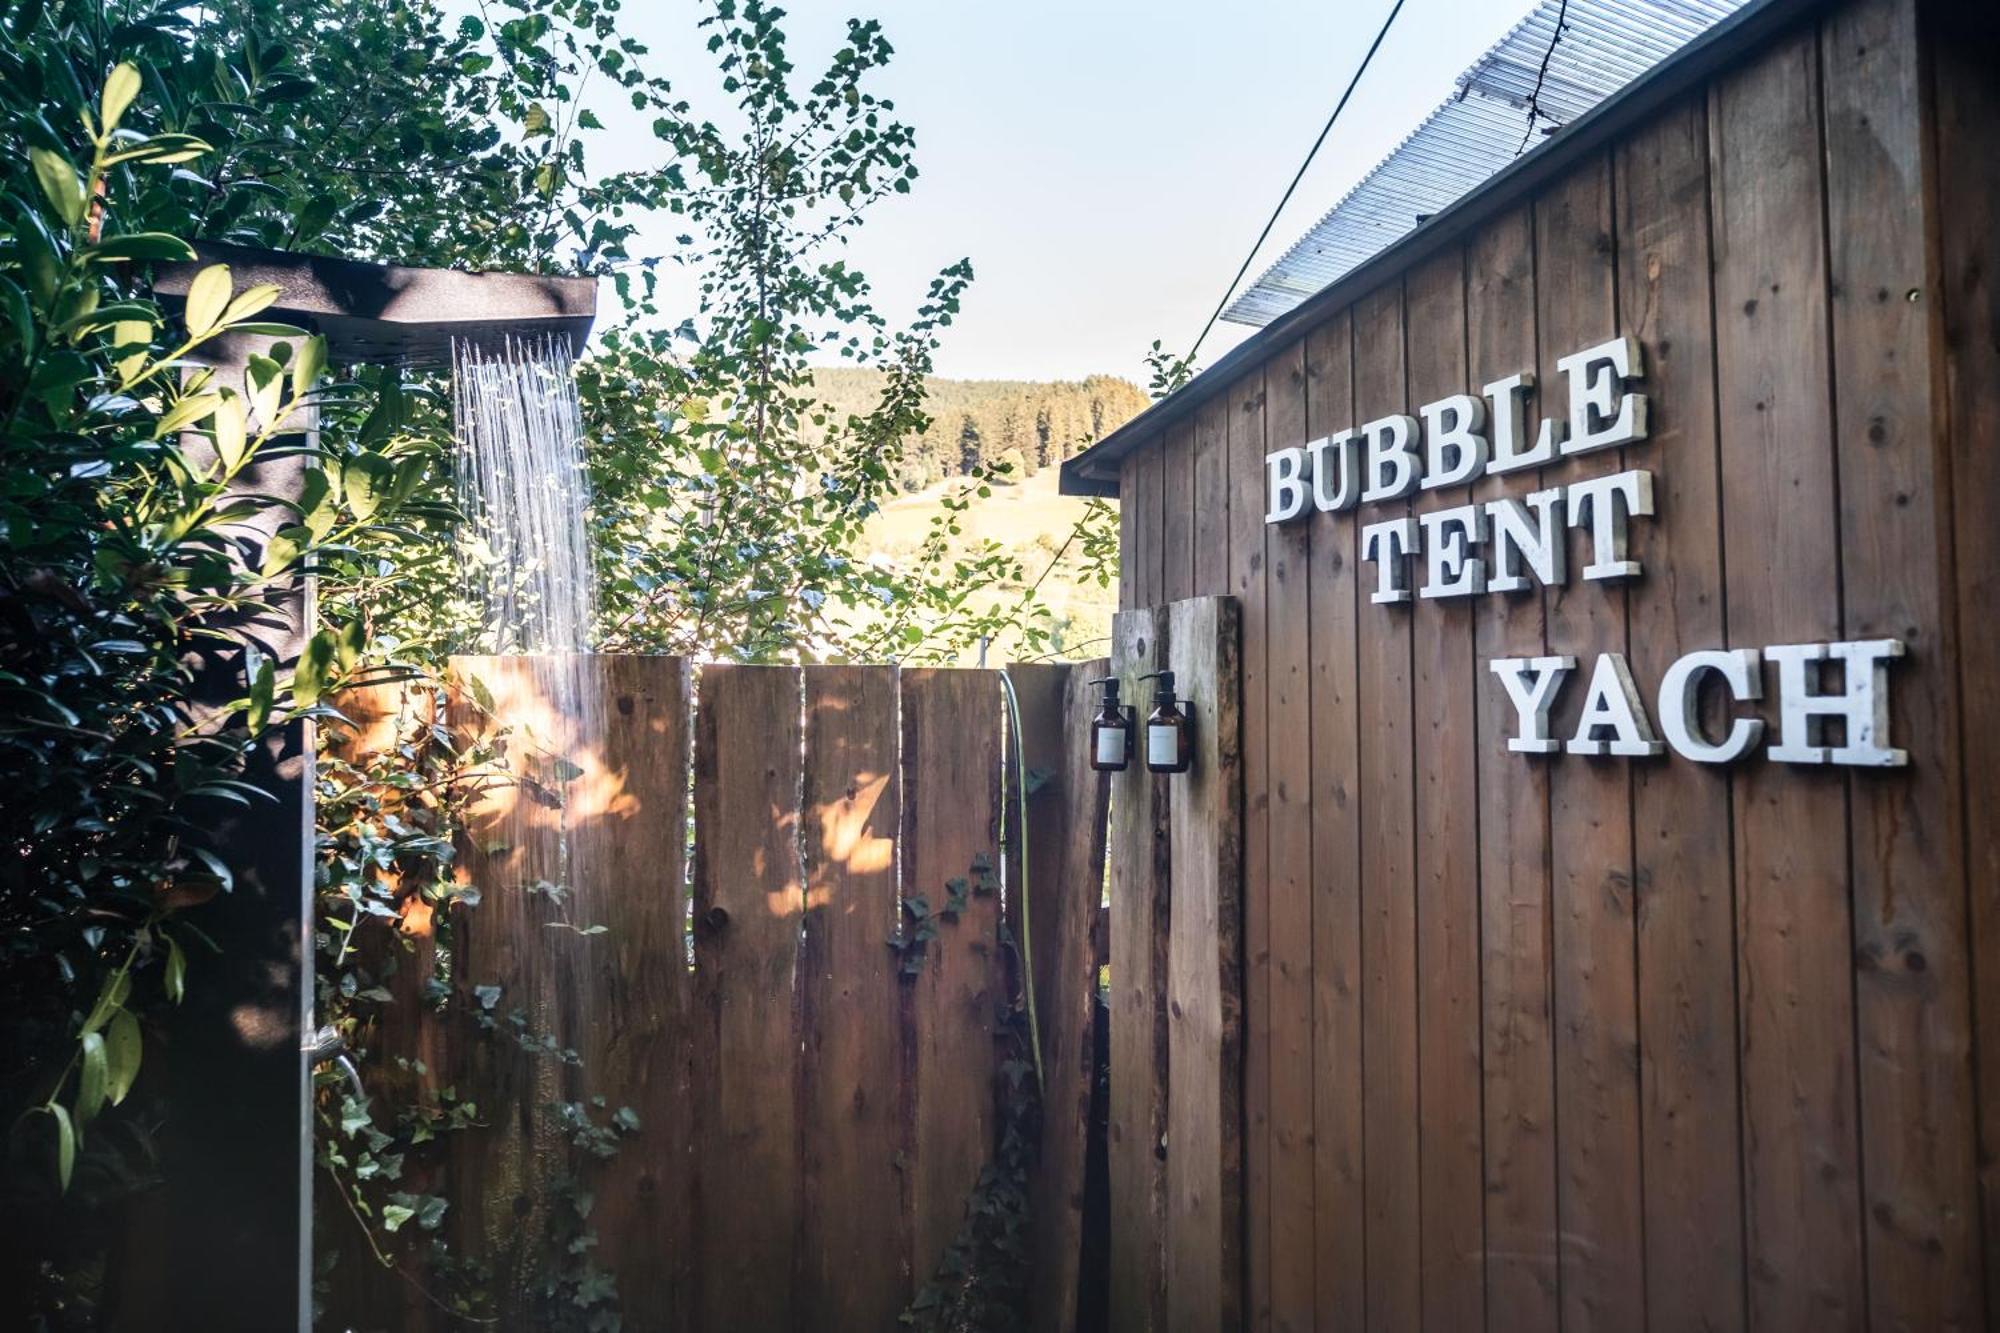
1624,1041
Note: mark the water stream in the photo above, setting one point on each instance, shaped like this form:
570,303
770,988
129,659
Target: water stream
525,495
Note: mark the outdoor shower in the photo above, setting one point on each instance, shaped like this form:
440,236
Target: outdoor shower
240,1148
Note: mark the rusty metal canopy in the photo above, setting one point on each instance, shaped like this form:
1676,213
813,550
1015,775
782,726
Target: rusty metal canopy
392,313
1481,128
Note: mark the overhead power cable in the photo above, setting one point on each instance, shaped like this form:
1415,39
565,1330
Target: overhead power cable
1299,175
1541,75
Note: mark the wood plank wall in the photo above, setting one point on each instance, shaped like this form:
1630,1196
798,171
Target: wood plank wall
1560,1042
813,1118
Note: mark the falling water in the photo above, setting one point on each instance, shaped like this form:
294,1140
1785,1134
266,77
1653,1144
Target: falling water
525,496
524,493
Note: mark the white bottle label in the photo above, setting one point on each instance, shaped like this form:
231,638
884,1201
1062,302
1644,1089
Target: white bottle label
1111,745
1163,745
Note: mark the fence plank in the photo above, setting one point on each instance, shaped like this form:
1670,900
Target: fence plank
506,1180
1288,821
1211,499
1803,1210
1138,1097
1205,978
1247,580
627,826
1152,556
1339,1162
1590,817
1388,872
1681,873
854,1262
1066,883
1963,44
748,897
951,805
1920,1158
1513,856
1447,887
1177,498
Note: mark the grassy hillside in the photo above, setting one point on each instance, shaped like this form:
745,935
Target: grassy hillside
1028,521
1031,426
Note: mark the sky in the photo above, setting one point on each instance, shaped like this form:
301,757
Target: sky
1105,164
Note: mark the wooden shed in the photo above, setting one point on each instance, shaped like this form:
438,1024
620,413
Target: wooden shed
1570,998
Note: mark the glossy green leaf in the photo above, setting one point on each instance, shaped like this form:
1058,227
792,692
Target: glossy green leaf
248,302
267,390
231,432
366,480
120,87
59,183
92,1070
190,409
151,245
308,360
163,150
315,670
176,975
207,298
65,1145
123,1049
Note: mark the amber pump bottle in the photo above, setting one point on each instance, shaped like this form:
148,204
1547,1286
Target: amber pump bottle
1110,731
1169,731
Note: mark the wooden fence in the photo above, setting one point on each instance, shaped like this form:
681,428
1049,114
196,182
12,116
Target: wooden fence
764,907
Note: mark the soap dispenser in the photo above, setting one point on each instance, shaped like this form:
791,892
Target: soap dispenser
1169,731
1110,731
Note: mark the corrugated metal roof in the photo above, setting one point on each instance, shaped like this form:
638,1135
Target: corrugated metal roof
1479,130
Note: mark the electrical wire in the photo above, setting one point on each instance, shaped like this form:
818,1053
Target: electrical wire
1311,153
1535,97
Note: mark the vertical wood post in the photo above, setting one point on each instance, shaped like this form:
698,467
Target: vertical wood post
1177,1149
1204,1254
1138,1093
237,1151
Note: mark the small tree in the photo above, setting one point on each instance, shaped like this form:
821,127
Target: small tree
971,451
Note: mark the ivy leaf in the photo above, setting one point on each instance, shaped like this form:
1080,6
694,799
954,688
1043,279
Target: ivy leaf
59,183
91,1076
122,1051
120,87
394,1215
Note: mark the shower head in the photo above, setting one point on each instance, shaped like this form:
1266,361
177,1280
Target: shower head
389,313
